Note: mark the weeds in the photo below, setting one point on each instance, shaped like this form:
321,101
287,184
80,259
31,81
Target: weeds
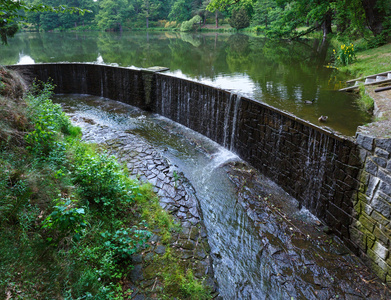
364,101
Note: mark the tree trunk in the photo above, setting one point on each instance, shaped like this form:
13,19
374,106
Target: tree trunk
374,16
326,25
147,22
217,18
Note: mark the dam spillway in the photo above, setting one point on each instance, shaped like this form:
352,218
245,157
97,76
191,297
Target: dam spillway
345,182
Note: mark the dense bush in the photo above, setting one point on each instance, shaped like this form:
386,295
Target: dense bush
239,19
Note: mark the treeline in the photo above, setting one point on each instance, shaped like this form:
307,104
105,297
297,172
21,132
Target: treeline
277,18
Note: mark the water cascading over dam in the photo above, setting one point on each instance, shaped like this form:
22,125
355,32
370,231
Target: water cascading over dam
339,179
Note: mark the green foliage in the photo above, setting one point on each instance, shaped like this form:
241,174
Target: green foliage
191,24
180,11
49,121
112,14
12,12
239,19
65,219
101,182
125,242
179,282
345,55
364,101
88,252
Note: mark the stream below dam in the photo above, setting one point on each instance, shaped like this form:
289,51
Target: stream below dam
262,243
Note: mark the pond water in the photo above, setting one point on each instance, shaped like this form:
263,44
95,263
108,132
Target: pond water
282,74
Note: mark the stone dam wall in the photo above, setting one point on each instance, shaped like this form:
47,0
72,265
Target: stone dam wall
346,182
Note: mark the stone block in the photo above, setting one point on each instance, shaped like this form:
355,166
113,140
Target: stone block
367,208
363,154
370,238
371,167
385,188
385,197
381,206
380,250
365,141
384,176
367,222
379,234
384,144
355,160
372,186
357,209
381,162
377,217
358,238
382,153
378,265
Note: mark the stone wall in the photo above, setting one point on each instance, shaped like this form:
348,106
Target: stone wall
345,182
371,227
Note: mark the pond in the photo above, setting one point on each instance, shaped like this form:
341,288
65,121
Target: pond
280,73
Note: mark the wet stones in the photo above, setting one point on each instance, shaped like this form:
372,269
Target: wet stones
298,255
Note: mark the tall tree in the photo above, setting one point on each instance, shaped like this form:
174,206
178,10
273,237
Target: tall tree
180,11
150,9
375,13
113,13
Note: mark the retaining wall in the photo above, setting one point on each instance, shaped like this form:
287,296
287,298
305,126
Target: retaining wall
345,182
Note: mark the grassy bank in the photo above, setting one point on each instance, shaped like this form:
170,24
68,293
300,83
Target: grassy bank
70,216
370,62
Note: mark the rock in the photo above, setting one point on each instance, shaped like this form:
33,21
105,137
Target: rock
149,272
160,249
194,233
188,245
136,273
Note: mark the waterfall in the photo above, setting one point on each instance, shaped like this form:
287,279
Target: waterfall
226,120
234,121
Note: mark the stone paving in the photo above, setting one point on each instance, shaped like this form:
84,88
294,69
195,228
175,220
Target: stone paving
176,195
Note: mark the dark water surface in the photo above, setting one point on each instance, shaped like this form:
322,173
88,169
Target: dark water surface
282,74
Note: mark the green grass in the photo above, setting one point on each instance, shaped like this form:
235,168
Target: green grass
370,62
365,102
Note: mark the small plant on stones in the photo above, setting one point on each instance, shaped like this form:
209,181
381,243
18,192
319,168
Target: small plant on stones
176,178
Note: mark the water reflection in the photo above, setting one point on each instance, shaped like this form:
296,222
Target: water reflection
283,74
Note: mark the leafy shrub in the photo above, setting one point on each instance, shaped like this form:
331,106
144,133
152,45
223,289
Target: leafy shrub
125,242
66,219
240,19
101,182
48,119
170,24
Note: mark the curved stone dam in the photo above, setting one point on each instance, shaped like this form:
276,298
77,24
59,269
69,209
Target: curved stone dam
344,181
